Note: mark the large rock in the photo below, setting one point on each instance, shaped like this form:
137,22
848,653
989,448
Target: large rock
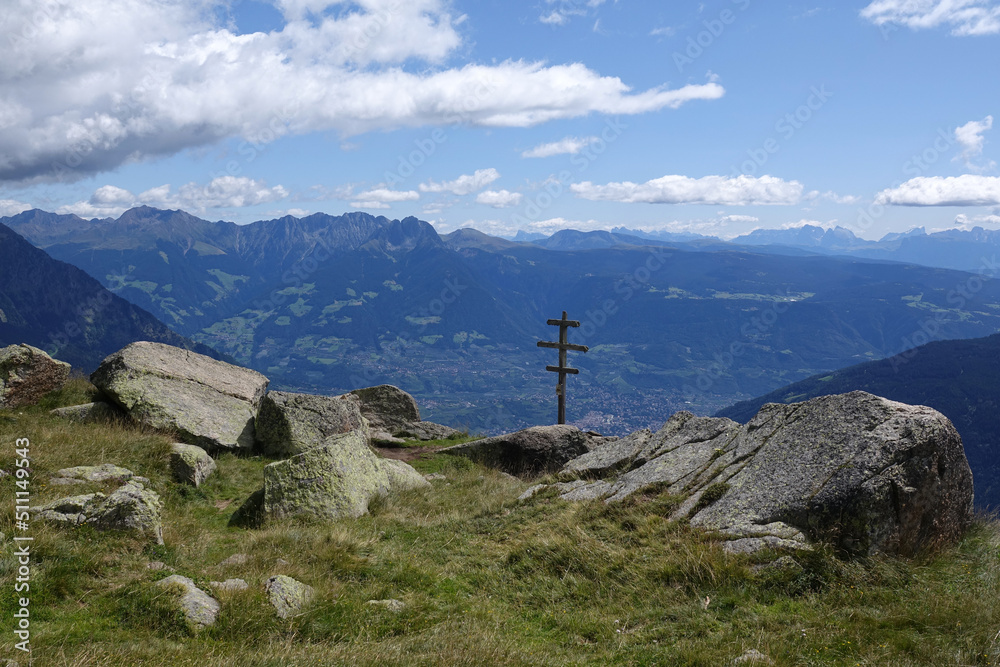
289,424
27,373
533,451
132,508
200,609
207,402
860,472
393,413
335,480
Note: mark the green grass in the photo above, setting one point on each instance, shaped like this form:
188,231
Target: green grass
486,580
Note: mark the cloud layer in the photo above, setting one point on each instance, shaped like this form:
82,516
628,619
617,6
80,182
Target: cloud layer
93,84
964,17
715,190
220,193
966,190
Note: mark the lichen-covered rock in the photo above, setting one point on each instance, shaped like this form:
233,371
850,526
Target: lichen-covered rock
209,403
289,424
89,412
27,373
131,508
190,464
390,604
200,609
287,595
335,480
106,472
860,472
533,451
393,414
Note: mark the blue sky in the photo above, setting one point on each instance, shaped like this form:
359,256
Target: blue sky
715,117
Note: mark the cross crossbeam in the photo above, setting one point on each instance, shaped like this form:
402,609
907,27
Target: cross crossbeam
563,346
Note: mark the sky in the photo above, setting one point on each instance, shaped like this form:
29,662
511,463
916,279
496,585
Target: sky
715,117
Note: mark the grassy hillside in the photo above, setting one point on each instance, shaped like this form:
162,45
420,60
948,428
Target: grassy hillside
486,580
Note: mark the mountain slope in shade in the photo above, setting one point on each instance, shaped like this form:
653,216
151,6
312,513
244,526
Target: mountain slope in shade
191,272
60,309
959,378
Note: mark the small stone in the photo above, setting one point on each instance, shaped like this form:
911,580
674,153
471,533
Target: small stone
434,476
229,585
391,605
89,412
281,561
753,657
106,472
190,464
235,559
287,595
200,609
156,566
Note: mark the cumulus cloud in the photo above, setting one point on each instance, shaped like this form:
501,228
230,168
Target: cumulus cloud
965,190
968,222
970,138
93,84
221,192
567,146
465,184
715,190
381,198
964,17
10,207
499,198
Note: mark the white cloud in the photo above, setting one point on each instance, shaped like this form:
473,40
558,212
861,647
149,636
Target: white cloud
9,207
568,8
964,17
740,219
968,222
382,197
663,32
94,84
221,192
499,198
715,190
970,138
465,184
965,190
567,146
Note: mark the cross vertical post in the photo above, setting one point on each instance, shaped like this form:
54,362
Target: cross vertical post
563,346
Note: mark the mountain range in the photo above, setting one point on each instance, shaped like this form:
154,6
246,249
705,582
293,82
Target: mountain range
330,303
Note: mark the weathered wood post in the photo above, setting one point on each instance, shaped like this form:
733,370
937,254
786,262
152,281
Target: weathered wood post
563,346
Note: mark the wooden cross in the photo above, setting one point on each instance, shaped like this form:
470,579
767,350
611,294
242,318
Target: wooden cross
563,345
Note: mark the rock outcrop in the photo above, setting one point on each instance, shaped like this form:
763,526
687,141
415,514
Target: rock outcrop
289,424
200,609
132,508
207,402
533,451
190,464
27,373
393,414
860,472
